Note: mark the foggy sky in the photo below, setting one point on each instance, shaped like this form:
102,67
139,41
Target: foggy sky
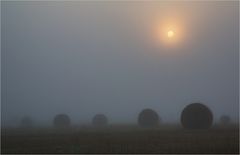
84,58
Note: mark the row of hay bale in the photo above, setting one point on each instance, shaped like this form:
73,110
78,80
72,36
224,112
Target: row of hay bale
193,116
62,120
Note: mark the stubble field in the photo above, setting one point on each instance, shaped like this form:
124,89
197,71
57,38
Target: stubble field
120,140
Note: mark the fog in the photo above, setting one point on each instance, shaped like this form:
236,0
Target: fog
85,58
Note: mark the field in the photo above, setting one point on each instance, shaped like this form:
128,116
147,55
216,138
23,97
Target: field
120,140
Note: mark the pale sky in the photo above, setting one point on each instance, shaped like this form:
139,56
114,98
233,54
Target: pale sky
84,58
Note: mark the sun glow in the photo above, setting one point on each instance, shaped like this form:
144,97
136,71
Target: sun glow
170,34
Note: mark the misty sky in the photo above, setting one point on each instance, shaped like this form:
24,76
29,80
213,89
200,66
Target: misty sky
84,58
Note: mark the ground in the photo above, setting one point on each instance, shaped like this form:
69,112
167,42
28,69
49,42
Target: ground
120,140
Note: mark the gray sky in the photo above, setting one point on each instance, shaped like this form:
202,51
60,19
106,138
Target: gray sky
84,58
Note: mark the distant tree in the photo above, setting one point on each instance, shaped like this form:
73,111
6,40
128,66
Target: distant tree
196,116
225,120
148,118
61,121
26,122
100,120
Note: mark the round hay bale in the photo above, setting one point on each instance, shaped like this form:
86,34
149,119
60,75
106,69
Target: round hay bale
225,120
148,118
100,120
61,121
196,116
26,122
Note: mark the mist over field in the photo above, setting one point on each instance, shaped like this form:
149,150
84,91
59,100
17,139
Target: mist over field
85,58
119,77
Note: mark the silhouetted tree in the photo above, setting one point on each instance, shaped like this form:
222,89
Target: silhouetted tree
61,121
196,116
225,120
100,120
148,118
26,122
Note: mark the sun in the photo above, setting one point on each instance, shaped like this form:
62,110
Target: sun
170,34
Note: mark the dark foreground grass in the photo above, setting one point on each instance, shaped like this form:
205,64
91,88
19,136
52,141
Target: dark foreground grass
120,140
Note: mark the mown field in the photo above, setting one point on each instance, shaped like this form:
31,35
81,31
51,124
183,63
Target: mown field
120,140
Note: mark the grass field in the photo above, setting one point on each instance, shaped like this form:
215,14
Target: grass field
120,140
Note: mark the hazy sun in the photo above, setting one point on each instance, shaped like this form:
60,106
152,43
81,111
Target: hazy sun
170,34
